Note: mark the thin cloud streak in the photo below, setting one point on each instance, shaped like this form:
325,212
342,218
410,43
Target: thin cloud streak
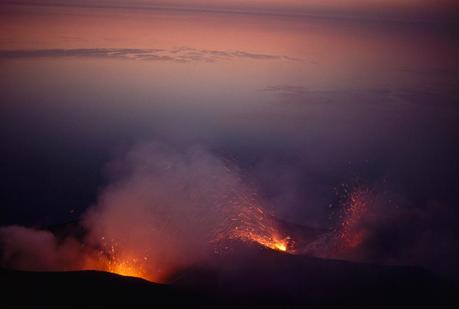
180,55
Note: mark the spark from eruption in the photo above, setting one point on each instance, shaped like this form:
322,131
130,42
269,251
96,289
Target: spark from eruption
269,241
251,223
352,233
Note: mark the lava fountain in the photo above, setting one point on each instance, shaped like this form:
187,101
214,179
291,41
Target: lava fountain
253,224
249,222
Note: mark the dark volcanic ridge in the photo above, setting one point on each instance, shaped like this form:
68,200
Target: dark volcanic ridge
245,275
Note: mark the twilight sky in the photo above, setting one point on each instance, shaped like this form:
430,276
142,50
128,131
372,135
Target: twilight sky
399,9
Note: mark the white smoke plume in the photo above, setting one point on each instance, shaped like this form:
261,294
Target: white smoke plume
161,210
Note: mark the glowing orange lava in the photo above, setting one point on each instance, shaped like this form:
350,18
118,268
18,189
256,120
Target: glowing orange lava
280,246
260,237
128,267
114,260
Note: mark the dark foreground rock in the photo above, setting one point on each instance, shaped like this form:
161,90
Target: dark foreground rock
246,276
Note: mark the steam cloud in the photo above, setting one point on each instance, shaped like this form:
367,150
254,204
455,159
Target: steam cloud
161,211
166,206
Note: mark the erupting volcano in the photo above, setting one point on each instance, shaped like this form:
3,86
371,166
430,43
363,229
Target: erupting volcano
229,153
165,212
190,221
